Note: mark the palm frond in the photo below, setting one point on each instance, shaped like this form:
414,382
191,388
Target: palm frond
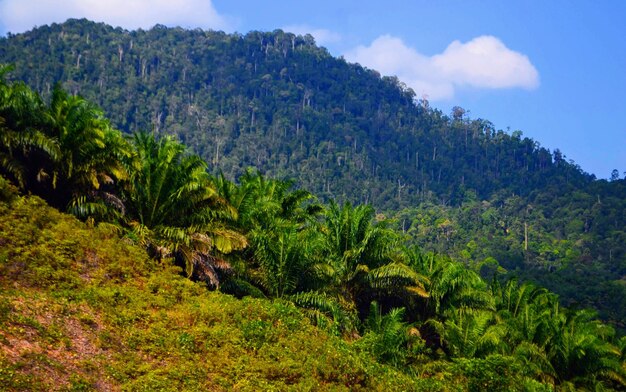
327,306
398,276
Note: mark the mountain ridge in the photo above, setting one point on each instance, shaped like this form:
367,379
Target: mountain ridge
278,102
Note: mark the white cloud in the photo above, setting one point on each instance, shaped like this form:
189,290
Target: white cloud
20,15
322,36
483,62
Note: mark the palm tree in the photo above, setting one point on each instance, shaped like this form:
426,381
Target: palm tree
360,260
569,349
174,209
284,256
66,151
451,285
260,201
25,150
580,350
91,152
524,308
109,169
458,311
523,311
277,221
387,336
470,333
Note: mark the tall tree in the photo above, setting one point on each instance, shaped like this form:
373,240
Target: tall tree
451,285
278,221
91,151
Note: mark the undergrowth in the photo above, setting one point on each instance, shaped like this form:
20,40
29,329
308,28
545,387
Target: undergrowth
83,309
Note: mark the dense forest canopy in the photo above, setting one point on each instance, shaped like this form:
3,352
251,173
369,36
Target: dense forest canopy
278,102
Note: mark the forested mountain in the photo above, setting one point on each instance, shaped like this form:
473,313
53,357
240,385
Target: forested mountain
278,102
104,303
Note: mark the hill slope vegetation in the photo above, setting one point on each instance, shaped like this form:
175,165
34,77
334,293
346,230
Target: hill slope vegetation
152,212
276,101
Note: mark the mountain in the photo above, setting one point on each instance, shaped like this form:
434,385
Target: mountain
177,279
276,101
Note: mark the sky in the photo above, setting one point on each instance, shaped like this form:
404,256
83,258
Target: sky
556,70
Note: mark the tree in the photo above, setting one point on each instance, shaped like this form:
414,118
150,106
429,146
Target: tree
451,285
284,256
174,209
568,348
388,337
523,311
579,349
260,201
25,150
92,153
470,333
359,259
277,221
614,175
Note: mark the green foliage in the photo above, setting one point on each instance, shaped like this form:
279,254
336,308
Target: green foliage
497,373
135,324
82,291
283,254
113,297
64,151
388,338
357,262
535,241
450,285
276,101
7,191
172,207
280,225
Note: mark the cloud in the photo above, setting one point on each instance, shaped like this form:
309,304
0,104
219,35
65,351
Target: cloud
20,15
322,36
484,62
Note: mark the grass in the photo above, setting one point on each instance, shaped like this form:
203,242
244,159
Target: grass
82,309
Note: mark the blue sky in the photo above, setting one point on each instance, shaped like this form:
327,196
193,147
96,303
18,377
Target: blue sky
554,69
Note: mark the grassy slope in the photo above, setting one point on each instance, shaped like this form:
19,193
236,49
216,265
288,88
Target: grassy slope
81,309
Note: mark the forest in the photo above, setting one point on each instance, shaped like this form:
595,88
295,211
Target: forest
277,102
434,246
343,267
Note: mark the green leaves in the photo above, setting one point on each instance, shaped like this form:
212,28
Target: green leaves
387,337
23,142
284,255
340,263
170,193
396,276
558,346
355,261
65,151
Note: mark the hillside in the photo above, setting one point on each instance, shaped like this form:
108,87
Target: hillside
103,305
278,102
81,309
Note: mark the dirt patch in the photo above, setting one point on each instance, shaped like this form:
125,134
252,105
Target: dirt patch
57,350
